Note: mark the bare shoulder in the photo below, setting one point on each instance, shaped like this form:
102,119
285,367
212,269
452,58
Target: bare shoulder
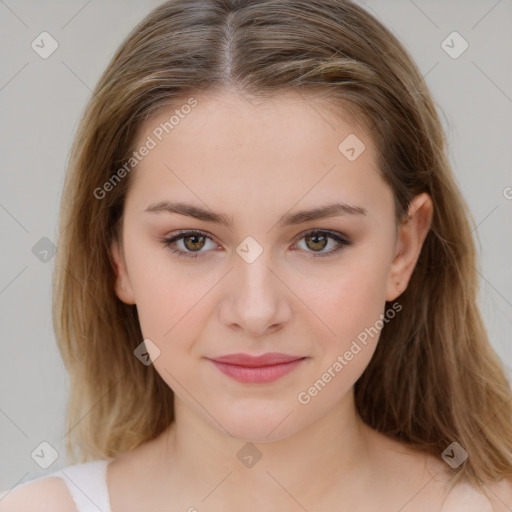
495,497
44,495
412,467
500,495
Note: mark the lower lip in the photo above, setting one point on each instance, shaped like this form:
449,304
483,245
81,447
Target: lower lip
260,375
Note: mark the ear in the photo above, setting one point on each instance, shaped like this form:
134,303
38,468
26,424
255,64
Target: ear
122,285
411,235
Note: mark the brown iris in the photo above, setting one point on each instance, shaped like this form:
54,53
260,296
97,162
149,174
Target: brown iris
197,242
319,240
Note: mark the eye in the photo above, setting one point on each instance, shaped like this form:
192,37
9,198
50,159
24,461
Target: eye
193,242
315,241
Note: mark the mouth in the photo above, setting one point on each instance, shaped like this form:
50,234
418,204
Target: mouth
261,369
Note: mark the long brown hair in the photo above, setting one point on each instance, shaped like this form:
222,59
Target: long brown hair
434,378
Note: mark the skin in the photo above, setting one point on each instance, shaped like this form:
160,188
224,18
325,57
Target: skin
255,161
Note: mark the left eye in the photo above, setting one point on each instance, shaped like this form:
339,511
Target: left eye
318,240
194,241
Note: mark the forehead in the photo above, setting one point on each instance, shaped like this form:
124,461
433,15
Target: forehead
231,148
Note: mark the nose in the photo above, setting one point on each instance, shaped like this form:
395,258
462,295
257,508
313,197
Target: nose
256,301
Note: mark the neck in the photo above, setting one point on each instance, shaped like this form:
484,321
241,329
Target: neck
223,471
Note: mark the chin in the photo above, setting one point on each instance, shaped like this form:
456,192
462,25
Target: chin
257,422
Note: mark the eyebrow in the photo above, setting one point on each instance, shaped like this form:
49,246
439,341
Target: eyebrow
321,212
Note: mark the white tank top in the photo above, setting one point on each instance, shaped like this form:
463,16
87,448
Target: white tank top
87,484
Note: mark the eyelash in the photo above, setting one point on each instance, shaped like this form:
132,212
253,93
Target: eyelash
341,241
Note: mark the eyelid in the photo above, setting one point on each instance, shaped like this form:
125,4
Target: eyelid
341,239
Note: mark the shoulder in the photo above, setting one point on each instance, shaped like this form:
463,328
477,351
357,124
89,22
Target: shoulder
435,474
495,497
47,494
500,495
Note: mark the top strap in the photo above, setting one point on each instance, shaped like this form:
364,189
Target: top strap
87,484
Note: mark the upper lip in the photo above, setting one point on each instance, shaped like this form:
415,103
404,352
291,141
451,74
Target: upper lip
250,361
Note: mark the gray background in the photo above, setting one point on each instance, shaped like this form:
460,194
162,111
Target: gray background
41,102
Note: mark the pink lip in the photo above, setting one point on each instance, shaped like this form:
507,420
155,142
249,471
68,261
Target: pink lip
257,369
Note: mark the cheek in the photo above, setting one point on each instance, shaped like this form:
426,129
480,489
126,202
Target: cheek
351,298
167,303
351,305
166,295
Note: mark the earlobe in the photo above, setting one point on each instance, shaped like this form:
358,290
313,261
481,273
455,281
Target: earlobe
411,235
122,285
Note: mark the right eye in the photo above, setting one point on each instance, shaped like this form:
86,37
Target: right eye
192,242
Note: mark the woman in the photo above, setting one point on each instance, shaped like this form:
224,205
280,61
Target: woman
265,291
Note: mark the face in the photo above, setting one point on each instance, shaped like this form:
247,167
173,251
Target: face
250,275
